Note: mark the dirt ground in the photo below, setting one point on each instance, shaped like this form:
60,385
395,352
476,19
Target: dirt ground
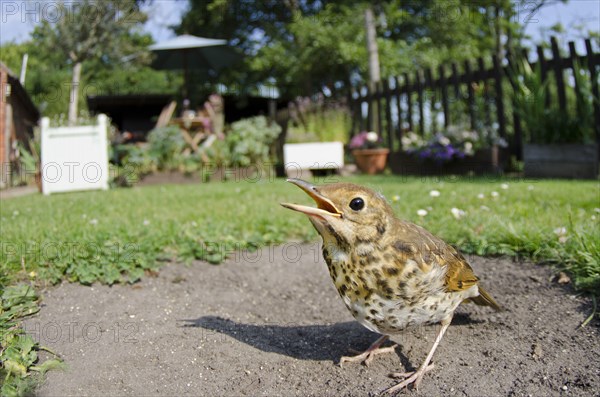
271,323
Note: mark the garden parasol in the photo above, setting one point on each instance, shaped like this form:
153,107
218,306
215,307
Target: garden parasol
192,52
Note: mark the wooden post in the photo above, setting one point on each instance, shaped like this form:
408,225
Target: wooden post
74,94
544,72
592,66
430,86
409,103
379,109
486,91
455,82
369,100
499,97
558,74
469,80
399,106
518,132
388,114
361,99
352,108
374,71
419,80
444,90
574,58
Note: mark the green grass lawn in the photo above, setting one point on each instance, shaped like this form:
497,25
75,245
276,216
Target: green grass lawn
114,236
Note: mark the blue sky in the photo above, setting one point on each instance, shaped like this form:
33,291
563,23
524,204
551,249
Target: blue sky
17,18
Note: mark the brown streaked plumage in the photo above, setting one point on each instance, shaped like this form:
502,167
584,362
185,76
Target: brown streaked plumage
390,273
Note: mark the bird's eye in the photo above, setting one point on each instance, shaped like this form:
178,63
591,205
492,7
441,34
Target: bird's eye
357,204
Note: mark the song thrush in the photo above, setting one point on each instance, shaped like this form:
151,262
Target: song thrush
390,273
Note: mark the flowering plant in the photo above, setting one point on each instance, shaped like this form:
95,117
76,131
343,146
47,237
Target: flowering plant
453,143
365,140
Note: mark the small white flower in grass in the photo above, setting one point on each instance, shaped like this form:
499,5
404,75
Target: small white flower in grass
484,208
434,193
15,213
194,224
597,210
429,208
146,222
494,194
422,212
560,231
481,196
457,213
84,216
93,221
504,186
593,217
530,187
395,198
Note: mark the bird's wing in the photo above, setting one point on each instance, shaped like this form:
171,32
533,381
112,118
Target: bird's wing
428,249
459,275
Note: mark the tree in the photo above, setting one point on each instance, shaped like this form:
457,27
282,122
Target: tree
91,31
312,46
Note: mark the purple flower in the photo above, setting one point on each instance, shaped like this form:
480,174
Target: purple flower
358,141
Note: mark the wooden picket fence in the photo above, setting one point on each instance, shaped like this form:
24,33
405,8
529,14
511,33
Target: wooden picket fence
413,101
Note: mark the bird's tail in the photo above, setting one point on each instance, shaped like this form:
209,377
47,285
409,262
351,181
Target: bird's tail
485,299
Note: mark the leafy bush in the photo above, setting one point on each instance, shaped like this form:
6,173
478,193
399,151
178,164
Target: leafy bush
553,124
163,151
165,145
219,153
249,141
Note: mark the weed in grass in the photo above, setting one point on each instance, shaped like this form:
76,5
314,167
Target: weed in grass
18,351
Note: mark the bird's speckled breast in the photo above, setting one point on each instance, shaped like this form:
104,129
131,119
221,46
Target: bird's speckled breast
387,298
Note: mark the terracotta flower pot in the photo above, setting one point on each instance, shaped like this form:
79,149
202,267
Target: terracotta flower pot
371,161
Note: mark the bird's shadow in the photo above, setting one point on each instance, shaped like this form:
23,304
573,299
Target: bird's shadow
327,342
305,342
464,318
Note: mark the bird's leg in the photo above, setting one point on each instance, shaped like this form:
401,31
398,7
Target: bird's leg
367,356
416,377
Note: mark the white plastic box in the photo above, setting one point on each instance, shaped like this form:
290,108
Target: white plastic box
74,158
313,156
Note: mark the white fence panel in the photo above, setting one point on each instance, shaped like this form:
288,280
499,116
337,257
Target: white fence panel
317,155
74,158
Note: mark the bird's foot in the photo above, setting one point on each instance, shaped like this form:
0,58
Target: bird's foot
414,378
367,356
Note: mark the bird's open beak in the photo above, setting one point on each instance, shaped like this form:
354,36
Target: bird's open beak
324,205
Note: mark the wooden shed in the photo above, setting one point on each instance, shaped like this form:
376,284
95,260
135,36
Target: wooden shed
18,117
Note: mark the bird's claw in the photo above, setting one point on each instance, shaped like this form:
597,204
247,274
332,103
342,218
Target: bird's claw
367,356
413,377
